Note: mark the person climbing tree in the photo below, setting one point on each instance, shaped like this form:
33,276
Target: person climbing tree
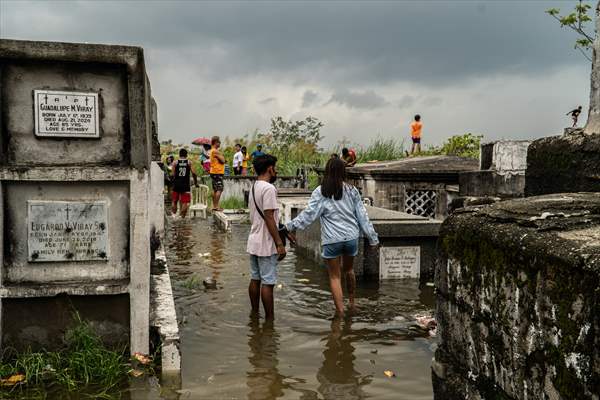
574,115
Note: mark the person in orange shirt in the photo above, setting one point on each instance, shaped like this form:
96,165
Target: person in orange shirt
415,131
217,170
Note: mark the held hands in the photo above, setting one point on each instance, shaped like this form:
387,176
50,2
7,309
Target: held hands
292,237
281,253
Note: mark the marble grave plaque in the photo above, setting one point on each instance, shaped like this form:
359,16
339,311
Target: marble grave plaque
67,231
399,262
66,114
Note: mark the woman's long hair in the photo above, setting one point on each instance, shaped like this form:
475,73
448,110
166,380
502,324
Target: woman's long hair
333,181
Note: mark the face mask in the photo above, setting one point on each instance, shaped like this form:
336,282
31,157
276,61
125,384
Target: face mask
273,179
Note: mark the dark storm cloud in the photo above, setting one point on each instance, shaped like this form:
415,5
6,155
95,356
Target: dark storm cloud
368,100
427,43
406,101
309,98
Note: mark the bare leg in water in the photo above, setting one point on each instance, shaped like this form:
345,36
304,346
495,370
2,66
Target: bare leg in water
258,292
348,264
266,294
335,282
254,292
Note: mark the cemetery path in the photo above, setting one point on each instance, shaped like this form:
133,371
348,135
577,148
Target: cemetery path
305,354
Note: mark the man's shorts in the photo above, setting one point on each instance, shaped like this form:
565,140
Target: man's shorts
184,197
263,269
334,250
217,182
416,140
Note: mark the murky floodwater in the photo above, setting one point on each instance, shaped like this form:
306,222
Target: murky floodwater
305,353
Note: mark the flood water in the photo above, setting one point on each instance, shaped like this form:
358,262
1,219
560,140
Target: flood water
305,353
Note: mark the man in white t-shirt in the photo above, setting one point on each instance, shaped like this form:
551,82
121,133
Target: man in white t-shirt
238,160
264,244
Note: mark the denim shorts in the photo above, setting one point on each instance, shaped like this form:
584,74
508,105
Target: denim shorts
334,250
263,269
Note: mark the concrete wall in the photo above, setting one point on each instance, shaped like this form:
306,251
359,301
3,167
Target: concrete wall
518,305
114,168
17,269
504,155
391,193
568,163
21,147
235,186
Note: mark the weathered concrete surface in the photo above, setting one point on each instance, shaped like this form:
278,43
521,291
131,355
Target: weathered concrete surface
115,168
16,268
117,73
389,184
501,172
559,164
40,322
491,183
237,186
504,155
518,305
163,317
394,229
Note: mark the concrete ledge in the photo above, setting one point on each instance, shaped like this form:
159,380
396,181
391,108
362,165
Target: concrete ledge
228,217
71,288
62,174
568,163
492,183
163,317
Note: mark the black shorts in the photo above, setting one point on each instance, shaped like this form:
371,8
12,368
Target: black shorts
217,182
416,140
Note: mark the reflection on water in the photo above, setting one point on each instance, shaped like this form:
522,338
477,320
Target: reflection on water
305,354
337,376
263,378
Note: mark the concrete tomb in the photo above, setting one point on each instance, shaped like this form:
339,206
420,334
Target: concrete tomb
76,175
408,242
518,305
422,186
501,173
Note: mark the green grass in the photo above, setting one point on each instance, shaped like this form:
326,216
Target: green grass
85,364
232,203
193,282
381,150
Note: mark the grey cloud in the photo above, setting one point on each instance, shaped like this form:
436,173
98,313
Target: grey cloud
268,100
219,104
432,101
333,43
406,101
366,100
309,98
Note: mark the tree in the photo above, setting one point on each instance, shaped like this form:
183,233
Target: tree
466,145
578,21
286,133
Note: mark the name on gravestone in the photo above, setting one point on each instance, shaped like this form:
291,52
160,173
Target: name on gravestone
400,262
66,231
66,114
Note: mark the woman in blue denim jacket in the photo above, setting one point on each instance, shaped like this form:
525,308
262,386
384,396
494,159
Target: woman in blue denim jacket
342,214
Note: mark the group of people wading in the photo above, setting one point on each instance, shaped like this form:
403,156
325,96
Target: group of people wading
336,203
339,207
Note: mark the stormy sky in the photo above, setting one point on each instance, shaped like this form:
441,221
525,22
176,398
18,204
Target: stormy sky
503,69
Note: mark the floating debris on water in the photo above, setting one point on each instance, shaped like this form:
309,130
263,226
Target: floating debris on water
389,374
209,283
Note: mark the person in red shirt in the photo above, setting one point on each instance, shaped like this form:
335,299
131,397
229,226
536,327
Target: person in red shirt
415,131
349,157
